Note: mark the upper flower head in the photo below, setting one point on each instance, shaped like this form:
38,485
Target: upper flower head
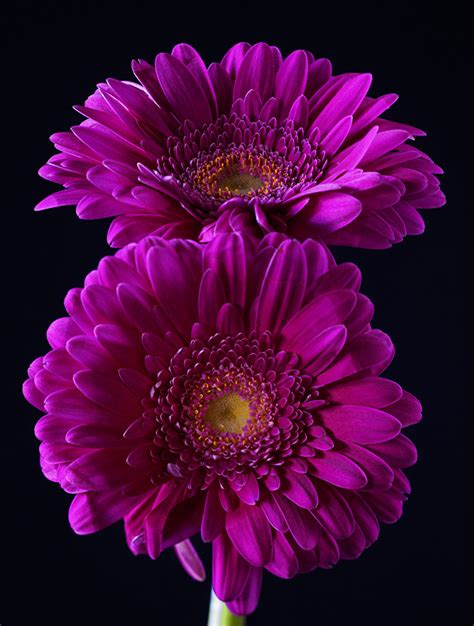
230,390
253,142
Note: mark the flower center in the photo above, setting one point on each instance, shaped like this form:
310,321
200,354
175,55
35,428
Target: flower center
240,184
228,413
228,402
235,158
239,171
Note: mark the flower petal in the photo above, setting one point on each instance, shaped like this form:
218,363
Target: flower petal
91,512
182,90
290,81
334,468
360,424
248,600
213,517
189,559
300,489
283,287
229,570
250,533
327,310
257,71
301,524
345,101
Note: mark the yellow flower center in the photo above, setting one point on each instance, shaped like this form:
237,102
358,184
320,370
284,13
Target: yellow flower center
240,184
228,413
240,172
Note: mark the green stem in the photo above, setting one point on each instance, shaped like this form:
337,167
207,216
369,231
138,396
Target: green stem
219,614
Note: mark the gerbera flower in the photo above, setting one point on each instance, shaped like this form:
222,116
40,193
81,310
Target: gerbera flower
253,142
229,390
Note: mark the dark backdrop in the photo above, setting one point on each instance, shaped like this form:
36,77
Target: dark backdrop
54,55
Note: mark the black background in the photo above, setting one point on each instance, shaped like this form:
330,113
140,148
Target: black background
54,54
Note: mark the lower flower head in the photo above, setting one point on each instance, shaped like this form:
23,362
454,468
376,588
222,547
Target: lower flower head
230,391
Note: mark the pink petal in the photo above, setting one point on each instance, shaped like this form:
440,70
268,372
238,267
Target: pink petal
222,86
378,472
272,512
61,363
107,392
371,350
189,559
300,489
211,297
344,102
359,320
96,436
193,62
329,309
360,424
250,533
365,518
257,71
174,282
370,109
299,112
101,304
283,287
71,404
213,517
92,207
338,470
138,305
384,142
399,452
121,343
248,600
320,351
33,395
301,524
374,392
351,156
75,309
284,563
128,229
229,320
182,90
233,58
386,506
250,491
60,198
225,255
334,513
407,409
100,470
325,213
53,429
91,512
290,81
343,276
229,570
60,331
336,136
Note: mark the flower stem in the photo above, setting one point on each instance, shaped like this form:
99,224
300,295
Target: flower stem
219,614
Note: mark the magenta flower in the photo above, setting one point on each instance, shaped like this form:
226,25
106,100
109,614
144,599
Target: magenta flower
251,143
229,390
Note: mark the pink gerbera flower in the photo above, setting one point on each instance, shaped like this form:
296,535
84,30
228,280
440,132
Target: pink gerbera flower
229,390
253,142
